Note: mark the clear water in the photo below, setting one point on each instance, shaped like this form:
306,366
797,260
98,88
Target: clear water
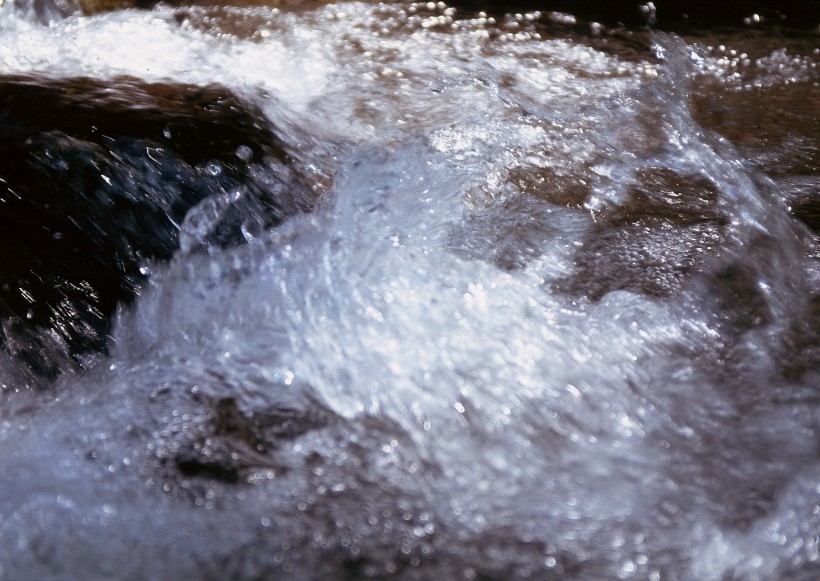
542,323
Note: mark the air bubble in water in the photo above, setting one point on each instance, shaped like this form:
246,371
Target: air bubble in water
244,153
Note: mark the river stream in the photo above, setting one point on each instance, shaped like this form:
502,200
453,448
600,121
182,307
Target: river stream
446,295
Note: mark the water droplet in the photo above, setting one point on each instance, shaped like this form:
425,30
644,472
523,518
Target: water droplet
244,153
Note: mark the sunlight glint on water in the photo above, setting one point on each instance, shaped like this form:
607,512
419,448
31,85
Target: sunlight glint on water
472,411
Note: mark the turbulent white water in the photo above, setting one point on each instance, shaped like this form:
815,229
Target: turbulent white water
452,406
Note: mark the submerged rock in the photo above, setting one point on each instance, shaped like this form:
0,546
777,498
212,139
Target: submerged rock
669,230
777,128
96,180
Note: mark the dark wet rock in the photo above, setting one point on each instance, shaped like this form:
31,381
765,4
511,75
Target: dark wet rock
808,210
222,460
650,256
235,443
777,128
196,123
669,229
96,180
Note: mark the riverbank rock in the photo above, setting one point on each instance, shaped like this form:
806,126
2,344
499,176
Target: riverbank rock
96,181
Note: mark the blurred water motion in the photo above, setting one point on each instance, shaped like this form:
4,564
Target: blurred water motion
407,291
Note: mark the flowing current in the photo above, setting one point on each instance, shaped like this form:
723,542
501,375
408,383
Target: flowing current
550,312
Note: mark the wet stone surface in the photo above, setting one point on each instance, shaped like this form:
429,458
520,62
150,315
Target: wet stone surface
96,179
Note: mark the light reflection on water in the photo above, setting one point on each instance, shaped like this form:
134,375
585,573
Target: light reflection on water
543,322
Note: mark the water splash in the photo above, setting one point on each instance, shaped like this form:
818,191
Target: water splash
422,377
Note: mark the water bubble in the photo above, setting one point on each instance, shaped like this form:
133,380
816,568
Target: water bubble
244,153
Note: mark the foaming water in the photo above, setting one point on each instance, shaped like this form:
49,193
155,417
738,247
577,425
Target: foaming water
541,323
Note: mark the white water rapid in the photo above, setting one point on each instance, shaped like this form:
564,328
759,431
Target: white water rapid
541,323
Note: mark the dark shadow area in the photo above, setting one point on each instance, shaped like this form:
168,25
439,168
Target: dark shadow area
96,179
676,15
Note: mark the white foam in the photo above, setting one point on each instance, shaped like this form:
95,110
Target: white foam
474,406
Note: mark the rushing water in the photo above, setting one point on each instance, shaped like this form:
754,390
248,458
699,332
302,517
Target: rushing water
546,307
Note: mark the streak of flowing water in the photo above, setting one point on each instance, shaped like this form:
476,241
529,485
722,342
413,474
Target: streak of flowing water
540,323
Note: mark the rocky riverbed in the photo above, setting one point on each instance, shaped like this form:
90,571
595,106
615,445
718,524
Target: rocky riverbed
409,290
